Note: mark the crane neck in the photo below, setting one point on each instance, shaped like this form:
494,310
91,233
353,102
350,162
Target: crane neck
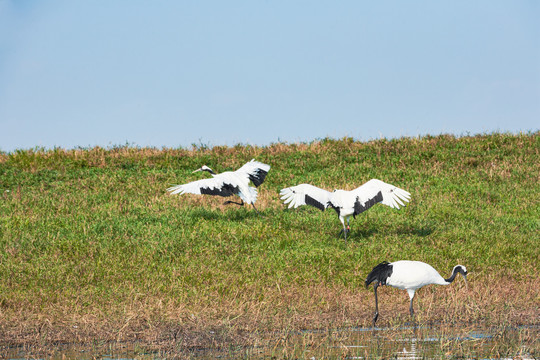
457,269
451,278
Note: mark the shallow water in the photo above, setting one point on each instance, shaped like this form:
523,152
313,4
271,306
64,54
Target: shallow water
405,342
410,342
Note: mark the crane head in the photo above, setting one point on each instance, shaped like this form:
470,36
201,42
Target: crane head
462,270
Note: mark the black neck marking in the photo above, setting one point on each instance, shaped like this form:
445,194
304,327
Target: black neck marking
337,208
457,270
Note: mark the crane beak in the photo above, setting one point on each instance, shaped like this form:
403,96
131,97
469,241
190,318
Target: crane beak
466,283
197,171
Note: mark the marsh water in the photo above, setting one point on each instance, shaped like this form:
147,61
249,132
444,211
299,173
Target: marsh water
410,342
404,342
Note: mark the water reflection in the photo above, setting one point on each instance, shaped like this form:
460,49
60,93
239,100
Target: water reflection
408,342
408,354
435,342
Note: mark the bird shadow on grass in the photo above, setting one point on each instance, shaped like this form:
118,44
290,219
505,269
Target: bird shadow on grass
420,231
365,233
218,215
361,233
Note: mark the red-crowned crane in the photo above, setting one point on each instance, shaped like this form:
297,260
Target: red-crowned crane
346,203
228,183
408,275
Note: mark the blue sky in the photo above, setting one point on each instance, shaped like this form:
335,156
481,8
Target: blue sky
176,72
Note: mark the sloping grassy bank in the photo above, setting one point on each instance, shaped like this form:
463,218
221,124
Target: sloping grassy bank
92,247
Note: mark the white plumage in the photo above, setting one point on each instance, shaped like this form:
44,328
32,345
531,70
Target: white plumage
408,275
228,183
346,203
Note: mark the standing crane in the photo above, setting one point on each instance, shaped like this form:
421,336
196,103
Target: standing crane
346,203
228,183
408,275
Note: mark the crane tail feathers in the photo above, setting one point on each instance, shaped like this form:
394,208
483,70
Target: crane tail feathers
380,273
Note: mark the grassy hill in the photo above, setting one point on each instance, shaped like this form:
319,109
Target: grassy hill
91,246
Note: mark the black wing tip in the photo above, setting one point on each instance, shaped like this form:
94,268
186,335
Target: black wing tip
225,191
257,178
380,273
311,201
360,208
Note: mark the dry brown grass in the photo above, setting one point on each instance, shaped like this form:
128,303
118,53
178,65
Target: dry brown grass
488,301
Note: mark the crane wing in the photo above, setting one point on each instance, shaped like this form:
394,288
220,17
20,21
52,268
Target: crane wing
375,191
212,186
305,194
256,171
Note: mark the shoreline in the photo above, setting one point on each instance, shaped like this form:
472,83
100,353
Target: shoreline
517,306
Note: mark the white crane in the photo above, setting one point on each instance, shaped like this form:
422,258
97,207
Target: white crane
346,203
228,183
408,275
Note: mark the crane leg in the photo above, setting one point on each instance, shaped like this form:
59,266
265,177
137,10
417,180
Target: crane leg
376,315
411,295
345,229
234,202
257,211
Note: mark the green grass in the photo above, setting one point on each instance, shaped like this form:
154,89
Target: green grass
92,232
